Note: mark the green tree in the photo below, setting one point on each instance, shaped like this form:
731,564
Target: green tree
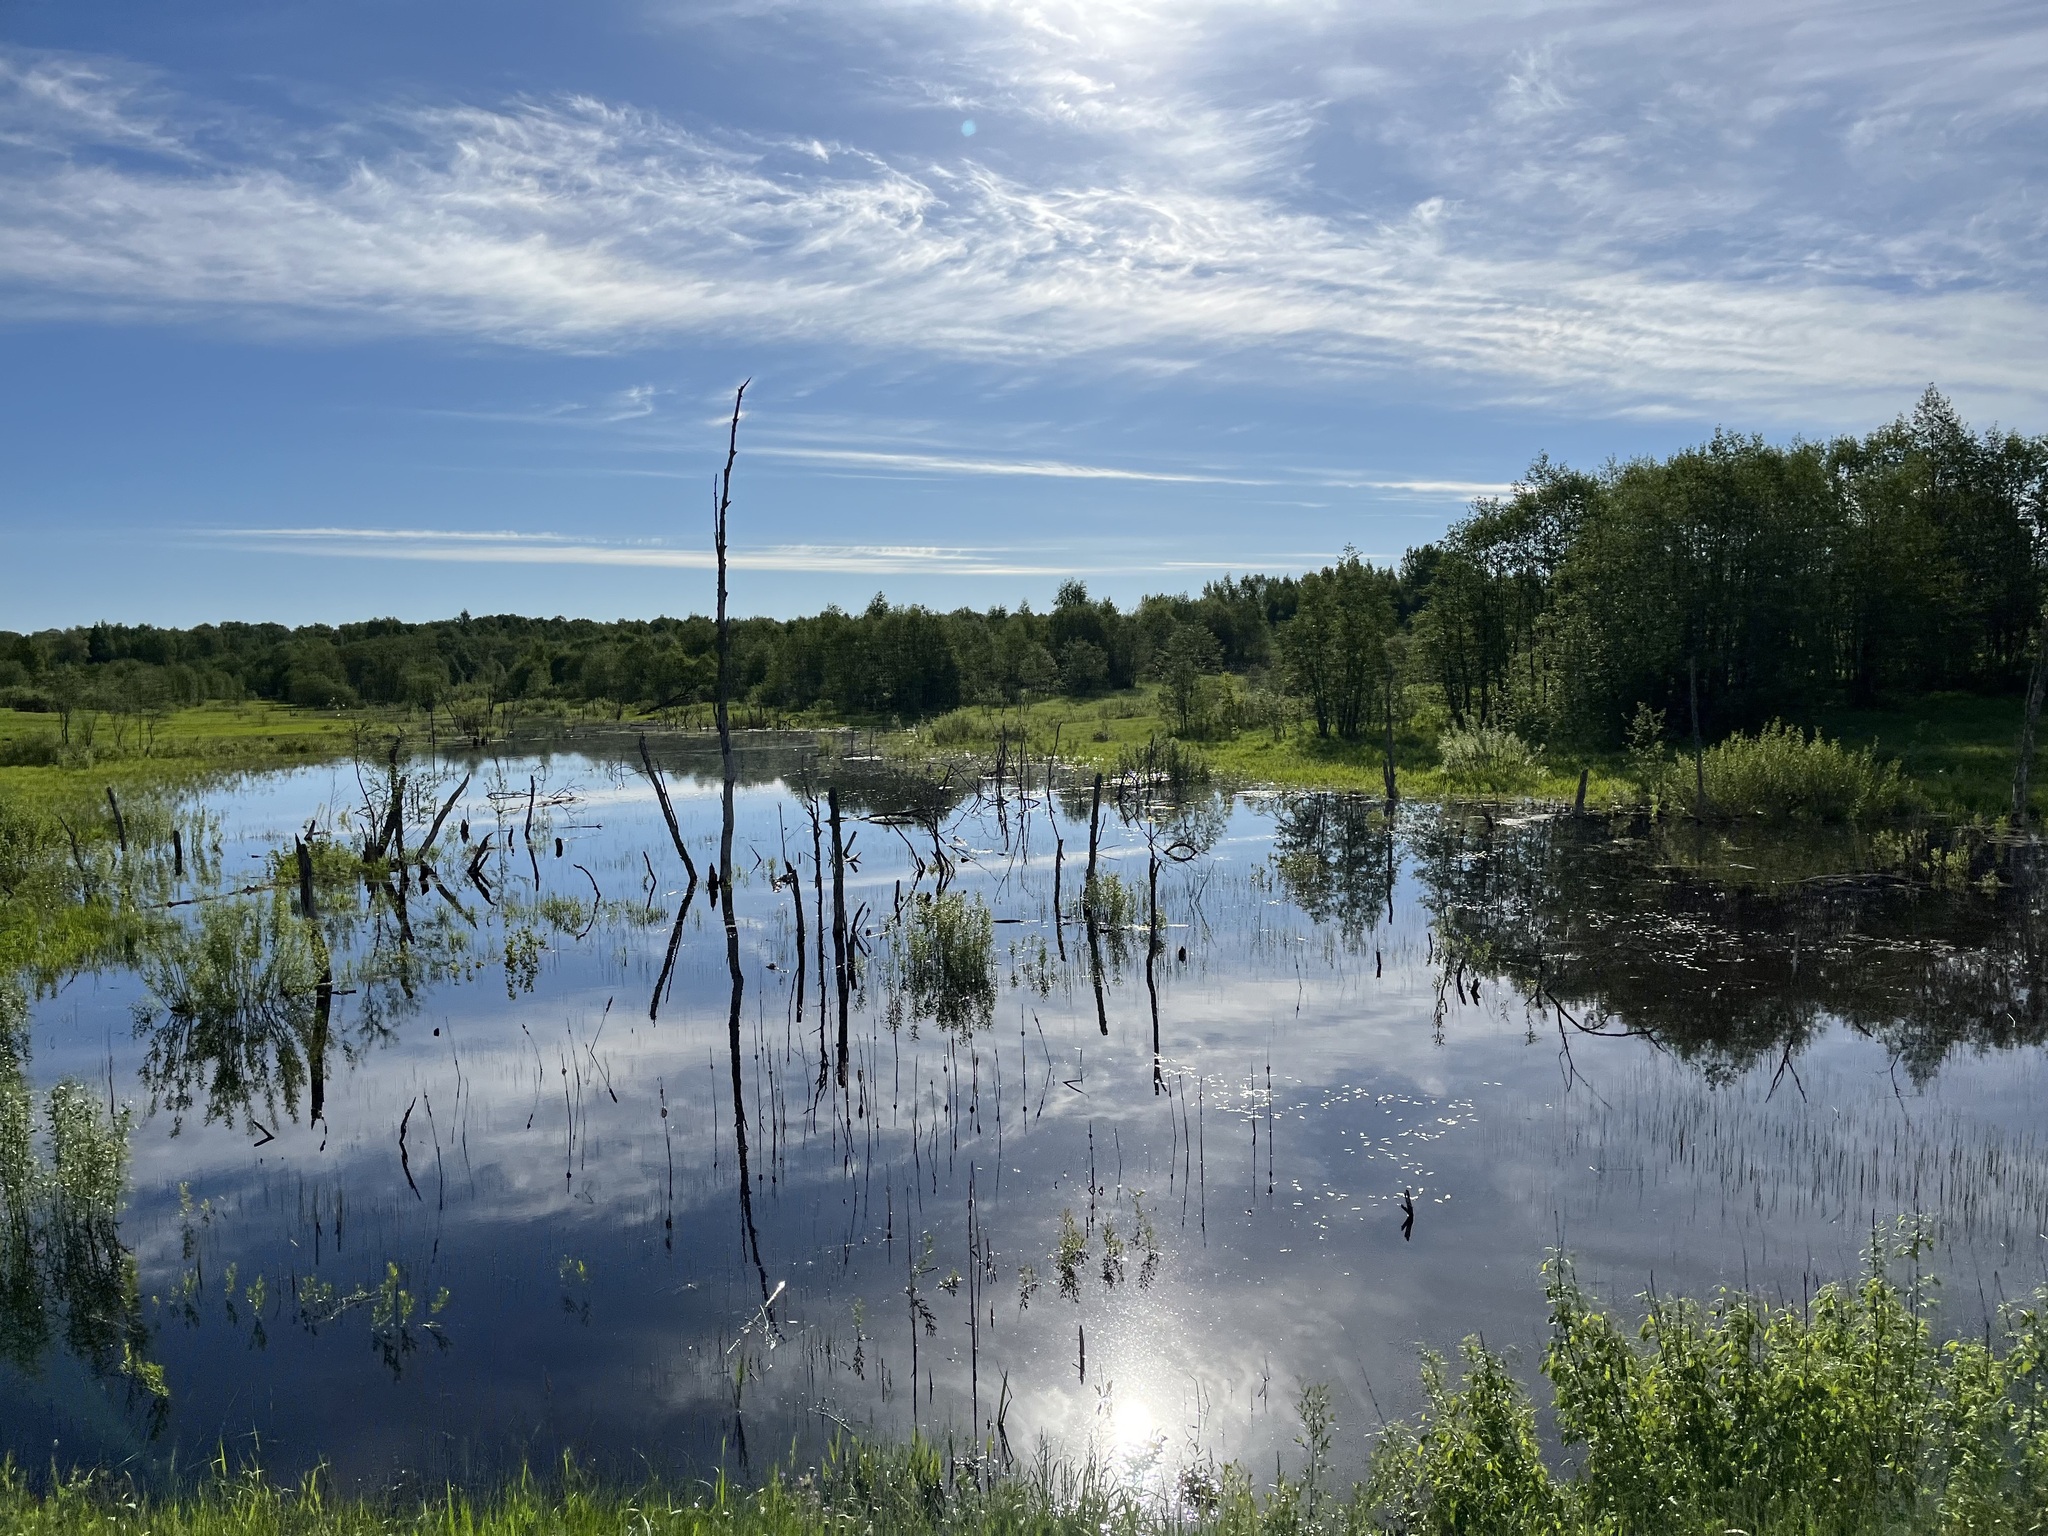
1189,656
1335,645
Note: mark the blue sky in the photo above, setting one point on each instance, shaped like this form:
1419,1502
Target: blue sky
324,311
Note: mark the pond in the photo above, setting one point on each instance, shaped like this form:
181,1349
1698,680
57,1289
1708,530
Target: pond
495,1164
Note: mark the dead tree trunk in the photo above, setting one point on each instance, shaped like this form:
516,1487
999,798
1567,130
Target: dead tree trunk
2036,686
1699,768
1094,843
306,908
724,697
1393,792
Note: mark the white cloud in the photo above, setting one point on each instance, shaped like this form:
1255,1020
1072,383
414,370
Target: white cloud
949,464
1633,209
462,547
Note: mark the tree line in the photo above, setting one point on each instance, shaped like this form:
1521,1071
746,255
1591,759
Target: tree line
1732,582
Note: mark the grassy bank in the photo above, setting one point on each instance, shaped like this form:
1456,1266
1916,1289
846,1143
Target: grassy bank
1847,1413
1955,751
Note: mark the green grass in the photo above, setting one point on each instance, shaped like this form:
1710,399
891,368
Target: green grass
1957,749
1098,733
185,748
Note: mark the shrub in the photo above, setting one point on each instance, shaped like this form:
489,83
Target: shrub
1487,757
1780,773
1648,763
958,726
1846,1414
38,750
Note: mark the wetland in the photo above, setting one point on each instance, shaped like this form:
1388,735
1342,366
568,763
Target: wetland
426,1116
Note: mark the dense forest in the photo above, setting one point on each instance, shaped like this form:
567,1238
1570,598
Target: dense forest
1748,580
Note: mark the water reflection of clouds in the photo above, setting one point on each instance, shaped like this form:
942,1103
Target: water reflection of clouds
1306,1073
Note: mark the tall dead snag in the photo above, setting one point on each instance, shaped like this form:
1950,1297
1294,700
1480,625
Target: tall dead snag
2036,686
1393,787
723,507
1699,771
1094,842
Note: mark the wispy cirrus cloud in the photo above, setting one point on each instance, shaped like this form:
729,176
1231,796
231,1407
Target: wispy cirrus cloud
952,464
471,547
948,464
1636,210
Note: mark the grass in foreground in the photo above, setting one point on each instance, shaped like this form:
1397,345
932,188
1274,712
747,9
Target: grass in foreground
1847,1414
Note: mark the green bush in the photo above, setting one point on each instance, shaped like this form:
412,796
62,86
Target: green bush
1489,758
1845,1415
1781,774
957,727
38,749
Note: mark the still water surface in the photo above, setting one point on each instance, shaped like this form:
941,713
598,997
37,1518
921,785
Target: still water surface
491,1210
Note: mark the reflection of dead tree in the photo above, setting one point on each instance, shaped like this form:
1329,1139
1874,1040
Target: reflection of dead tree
668,964
668,810
1785,1067
839,852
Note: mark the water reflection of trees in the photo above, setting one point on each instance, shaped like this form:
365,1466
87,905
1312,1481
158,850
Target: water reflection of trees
1726,961
1335,857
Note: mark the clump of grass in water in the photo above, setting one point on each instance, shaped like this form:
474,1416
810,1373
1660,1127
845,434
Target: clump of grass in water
1068,1256
947,961
60,1249
1779,774
1170,764
1114,903
232,1001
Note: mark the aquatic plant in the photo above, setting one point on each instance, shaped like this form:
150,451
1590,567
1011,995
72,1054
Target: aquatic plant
1114,902
235,1011
1168,765
947,960
61,1255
